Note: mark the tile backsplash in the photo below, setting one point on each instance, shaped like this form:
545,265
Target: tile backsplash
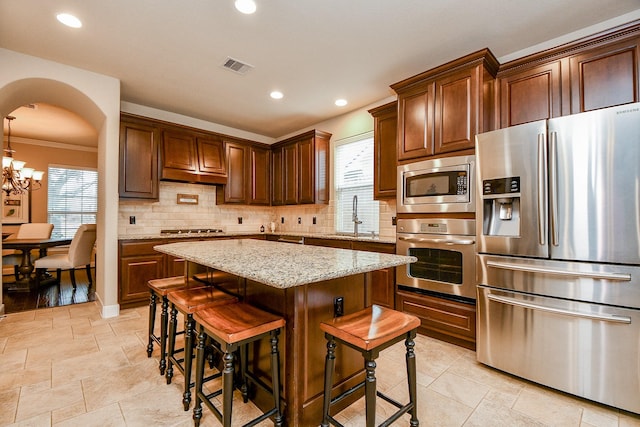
151,217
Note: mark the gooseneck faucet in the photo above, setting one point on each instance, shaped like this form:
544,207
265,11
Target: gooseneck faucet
354,216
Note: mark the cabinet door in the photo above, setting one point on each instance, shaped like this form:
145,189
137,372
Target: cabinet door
290,181
260,173
415,123
211,156
306,171
456,110
530,95
320,178
138,161
385,130
236,188
135,272
605,76
382,283
175,266
277,176
178,152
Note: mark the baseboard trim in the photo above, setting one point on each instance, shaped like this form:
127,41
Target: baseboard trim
107,311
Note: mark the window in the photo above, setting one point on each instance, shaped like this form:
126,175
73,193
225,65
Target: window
353,175
72,199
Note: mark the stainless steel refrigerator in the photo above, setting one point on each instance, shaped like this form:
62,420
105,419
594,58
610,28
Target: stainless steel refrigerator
558,240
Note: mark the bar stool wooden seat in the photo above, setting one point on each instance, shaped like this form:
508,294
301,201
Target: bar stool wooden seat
187,302
159,288
233,326
370,331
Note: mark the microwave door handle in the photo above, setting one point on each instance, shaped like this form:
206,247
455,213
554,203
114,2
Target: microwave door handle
542,189
446,241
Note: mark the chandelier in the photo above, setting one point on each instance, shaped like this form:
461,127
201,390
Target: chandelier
16,179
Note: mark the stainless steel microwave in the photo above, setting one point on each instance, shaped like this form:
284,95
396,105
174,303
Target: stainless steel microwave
437,185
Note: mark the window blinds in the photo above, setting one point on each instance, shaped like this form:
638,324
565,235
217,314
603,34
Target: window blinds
354,177
72,199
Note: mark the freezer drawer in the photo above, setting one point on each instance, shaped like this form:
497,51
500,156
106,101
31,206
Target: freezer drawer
589,350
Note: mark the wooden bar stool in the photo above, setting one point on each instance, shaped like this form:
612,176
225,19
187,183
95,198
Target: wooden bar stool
370,331
233,326
187,302
159,288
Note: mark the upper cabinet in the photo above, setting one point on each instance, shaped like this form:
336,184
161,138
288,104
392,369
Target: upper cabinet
385,125
138,177
594,72
192,157
441,110
300,169
248,169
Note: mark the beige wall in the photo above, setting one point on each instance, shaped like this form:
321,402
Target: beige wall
39,156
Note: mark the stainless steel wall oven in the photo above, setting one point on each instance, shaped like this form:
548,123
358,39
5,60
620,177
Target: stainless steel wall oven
446,254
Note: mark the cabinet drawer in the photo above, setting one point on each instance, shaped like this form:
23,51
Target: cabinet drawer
443,319
385,248
139,248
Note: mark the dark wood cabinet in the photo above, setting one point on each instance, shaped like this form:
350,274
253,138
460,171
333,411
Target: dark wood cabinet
190,157
598,71
385,128
248,170
138,175
441,110
446,320
277,176
531,94
380,284
605,76
139,263
301,169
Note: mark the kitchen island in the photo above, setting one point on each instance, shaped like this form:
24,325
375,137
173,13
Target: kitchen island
300,283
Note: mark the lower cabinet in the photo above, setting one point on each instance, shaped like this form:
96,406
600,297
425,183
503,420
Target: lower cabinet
380,284
139,263
446,320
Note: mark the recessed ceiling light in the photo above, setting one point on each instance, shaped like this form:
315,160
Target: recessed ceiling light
246,6
69,20
276,94
341,102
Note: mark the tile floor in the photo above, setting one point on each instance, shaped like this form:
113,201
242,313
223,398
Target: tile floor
66,366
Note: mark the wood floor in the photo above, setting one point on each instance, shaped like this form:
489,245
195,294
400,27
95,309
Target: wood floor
50,295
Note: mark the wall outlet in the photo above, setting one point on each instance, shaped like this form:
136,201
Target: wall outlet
281,220
299,220
239,220
338,306
132,219
394,221
314,220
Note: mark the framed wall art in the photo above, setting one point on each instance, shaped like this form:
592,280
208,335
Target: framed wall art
15,208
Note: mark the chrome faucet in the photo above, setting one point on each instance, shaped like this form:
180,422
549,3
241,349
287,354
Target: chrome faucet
354,216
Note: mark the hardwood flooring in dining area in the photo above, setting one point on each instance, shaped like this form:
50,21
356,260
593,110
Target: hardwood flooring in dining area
49,294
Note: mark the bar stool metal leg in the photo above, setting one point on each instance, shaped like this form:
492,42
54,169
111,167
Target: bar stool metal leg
164,319
411,373
152,321
188,359
329,363
227,387
275,375
370,389
172,343
197,405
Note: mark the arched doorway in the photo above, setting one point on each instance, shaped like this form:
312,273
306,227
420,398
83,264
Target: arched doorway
97,99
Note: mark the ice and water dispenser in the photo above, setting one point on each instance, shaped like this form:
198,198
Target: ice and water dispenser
501,206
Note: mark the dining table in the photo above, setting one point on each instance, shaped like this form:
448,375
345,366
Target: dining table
26,280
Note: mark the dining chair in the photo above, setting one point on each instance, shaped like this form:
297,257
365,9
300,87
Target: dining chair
79,255
31,230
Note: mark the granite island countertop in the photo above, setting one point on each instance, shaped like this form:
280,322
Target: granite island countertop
364,237
281,265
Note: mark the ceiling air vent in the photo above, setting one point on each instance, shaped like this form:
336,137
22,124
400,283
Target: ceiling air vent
236,66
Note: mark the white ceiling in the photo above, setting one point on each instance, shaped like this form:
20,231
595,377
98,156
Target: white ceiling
168,54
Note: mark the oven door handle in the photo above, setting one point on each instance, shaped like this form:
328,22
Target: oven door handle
445,241
605,317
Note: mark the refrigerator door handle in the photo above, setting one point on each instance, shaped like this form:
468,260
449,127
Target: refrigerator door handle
553,187
618,277
604,317
542,189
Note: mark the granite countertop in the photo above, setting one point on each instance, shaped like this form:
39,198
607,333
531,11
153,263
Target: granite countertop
362,238
281,265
